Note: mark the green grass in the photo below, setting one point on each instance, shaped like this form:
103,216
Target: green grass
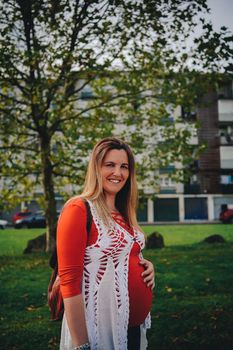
13,241
193,303
189,234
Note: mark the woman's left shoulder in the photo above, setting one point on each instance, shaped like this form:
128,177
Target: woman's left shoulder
76,201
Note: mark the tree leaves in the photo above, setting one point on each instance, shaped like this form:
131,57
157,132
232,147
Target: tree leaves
131,55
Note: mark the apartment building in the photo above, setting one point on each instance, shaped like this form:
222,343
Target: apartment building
211,184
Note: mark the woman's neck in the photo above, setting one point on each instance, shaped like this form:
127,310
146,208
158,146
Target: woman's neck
110,201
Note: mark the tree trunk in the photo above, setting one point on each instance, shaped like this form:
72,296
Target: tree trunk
50,202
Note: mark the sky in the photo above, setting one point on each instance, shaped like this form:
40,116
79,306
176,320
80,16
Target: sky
221,13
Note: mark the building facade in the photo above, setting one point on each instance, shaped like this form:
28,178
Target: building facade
211,184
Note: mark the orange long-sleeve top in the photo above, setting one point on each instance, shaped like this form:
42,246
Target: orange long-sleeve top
72,240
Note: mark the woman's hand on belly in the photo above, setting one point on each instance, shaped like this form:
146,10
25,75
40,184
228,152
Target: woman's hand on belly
140,295
149,274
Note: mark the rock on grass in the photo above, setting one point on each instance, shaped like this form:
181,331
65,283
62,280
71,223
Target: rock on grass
214,239
154,240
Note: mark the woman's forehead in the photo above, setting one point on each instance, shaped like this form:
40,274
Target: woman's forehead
116,155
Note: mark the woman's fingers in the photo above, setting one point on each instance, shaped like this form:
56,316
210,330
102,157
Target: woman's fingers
149,274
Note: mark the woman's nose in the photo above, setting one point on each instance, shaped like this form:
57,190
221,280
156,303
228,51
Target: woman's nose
117,171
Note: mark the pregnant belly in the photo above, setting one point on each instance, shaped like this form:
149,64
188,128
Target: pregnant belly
140,296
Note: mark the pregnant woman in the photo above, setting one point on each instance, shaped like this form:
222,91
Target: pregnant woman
105,282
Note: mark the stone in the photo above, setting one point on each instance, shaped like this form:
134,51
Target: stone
36,245
214,239
154,240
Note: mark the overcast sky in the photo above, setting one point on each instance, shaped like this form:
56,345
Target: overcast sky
221,13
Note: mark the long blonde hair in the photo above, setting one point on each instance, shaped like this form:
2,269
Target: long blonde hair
126,198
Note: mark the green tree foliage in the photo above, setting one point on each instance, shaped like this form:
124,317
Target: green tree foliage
129,59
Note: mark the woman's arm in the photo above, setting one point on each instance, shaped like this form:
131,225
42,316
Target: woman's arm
71,244
149,273
74,312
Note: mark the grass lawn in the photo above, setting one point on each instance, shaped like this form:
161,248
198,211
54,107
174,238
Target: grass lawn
193,299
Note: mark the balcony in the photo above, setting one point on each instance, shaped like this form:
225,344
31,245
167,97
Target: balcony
226,157
225,110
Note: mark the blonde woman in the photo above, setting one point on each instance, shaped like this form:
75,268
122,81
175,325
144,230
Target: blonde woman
105,282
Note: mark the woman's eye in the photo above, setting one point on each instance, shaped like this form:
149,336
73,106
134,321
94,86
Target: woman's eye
125,167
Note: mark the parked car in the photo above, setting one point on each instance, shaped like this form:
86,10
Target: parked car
31,221
35,220
20,215
3,224
226,215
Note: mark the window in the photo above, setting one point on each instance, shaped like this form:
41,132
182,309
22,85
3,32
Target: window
226,179
226,135
167,185
226,90
188,114
87,95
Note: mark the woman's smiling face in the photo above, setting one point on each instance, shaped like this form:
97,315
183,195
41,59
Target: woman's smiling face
114,171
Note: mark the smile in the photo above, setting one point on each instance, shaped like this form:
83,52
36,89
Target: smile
114,181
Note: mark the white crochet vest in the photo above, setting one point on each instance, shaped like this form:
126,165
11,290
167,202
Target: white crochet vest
105,288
